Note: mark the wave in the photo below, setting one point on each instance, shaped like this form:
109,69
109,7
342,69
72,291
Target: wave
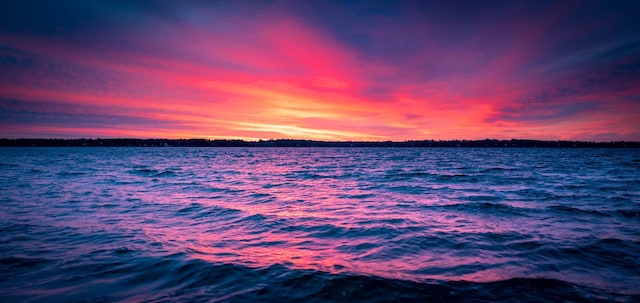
577,211
629,213
486,208
147,172
498,169
101,225
166,173
401,176
176,278
70,173
482,198
22,262
615,253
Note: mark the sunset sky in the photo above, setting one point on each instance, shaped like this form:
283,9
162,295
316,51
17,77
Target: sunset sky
324,70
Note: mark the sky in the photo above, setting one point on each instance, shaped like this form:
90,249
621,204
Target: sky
321,70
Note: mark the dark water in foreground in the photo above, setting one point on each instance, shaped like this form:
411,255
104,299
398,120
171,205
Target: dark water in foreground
319,224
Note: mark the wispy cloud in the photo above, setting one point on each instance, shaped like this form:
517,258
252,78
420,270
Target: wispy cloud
326,71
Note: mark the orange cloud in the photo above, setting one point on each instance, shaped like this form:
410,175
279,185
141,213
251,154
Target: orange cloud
278,76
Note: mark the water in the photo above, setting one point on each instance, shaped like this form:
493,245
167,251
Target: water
319,224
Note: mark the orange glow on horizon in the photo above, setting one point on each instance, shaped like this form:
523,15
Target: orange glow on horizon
281,77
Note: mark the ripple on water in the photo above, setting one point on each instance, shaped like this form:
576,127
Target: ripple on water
314,224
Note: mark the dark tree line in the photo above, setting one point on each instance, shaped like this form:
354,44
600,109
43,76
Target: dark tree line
309,143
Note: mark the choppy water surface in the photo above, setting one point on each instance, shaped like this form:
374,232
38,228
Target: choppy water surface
319,224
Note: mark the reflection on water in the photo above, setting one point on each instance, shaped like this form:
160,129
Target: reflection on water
423,215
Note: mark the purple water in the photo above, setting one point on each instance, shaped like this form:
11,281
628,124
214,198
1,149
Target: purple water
319,224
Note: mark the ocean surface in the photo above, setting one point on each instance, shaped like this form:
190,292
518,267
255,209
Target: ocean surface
319,225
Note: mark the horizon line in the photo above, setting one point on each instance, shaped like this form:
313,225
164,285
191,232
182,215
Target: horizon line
311,140
315,140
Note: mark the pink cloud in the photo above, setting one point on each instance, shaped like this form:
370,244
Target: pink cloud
276,76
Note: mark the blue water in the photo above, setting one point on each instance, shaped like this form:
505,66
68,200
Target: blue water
319,224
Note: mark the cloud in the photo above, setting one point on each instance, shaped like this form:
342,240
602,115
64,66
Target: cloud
329,70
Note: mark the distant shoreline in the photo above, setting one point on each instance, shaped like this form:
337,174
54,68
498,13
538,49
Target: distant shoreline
124,142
